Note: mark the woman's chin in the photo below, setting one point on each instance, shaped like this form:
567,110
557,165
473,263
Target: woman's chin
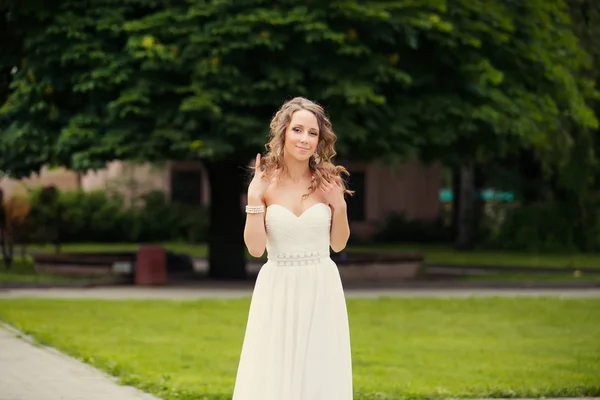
299,156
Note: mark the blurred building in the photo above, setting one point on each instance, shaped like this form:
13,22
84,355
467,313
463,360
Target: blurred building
412,189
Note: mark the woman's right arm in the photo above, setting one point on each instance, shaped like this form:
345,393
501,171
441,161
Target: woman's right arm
255,233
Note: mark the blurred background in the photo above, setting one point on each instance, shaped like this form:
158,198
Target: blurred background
469,128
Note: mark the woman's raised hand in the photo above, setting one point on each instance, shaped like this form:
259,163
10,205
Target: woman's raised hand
260,183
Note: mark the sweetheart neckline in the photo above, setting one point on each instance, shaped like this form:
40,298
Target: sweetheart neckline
294,214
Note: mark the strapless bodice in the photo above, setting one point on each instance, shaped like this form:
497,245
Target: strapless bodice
298,240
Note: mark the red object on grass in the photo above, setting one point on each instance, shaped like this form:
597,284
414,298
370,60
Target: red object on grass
151,266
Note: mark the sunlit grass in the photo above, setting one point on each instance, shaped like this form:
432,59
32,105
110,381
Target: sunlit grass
402,348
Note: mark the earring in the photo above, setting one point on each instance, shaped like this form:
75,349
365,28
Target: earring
317,158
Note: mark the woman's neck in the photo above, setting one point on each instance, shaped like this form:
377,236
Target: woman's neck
296,170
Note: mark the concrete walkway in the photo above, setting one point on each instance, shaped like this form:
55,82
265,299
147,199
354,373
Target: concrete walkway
237,291
30,372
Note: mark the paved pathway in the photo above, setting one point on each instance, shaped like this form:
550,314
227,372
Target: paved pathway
237,291
29,372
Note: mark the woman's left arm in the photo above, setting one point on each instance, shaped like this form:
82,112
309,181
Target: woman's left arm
340,228
333,192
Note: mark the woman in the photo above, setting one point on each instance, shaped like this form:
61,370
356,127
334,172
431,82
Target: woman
297,342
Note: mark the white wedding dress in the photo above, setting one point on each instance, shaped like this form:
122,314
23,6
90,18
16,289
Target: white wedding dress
297,341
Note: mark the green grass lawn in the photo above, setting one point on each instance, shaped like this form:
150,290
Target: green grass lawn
433,254
534,278
22,271
402,348
447,255
196,250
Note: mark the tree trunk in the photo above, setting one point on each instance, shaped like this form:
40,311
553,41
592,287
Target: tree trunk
479,202
7,248
455,201
227,256
464,236
5,238
530,171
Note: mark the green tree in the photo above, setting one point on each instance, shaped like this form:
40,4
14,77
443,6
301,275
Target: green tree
566,190
151,81
514,84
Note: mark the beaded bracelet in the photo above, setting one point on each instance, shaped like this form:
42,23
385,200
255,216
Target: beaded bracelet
255,209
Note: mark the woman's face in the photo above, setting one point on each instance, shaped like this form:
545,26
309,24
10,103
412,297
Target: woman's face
301,136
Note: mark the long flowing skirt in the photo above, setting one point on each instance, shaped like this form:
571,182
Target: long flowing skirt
297,341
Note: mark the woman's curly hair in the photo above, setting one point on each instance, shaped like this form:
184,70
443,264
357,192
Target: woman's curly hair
321,166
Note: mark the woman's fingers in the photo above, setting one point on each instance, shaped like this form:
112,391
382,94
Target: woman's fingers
257,169
328,185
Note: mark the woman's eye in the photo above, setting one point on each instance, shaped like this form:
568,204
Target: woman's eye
297,130
314,133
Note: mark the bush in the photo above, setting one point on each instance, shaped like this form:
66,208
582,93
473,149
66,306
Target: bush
18,221
158,219
102,216
549,226
397,228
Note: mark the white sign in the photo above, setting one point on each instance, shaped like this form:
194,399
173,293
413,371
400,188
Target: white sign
122,267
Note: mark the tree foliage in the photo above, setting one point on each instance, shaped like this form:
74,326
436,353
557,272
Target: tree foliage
150,81
147,80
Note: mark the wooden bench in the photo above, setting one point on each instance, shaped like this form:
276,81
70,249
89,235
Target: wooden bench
379,267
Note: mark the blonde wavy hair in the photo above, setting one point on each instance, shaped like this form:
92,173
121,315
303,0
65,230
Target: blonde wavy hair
321,166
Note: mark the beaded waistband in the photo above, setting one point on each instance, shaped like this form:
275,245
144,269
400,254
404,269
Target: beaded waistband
297,259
